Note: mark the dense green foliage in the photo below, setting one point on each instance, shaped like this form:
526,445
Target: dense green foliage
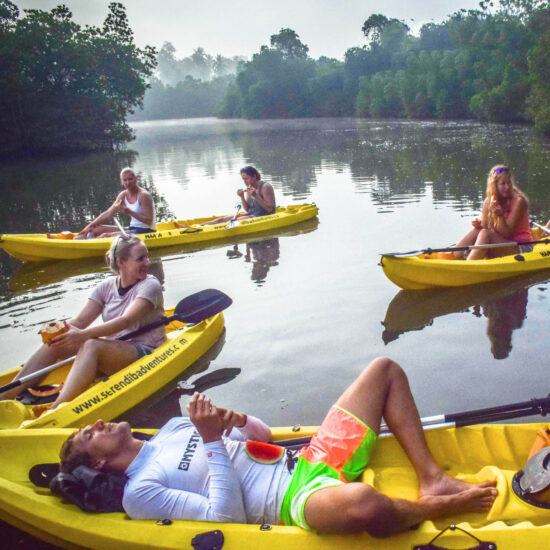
65,88
484,64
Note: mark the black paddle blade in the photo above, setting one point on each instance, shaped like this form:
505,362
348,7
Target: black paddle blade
202,305
209,380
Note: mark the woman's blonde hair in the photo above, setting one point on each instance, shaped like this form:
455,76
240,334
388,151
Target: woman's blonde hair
127,169
497,173
120,250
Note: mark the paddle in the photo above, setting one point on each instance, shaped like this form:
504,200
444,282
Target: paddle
459,248
191,310
231,222
120,226
545,229
467,418
207,381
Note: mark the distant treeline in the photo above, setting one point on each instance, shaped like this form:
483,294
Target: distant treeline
67,88
189,87
488,64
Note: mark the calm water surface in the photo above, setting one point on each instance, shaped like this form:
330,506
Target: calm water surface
311,305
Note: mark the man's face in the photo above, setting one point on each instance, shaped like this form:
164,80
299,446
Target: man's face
102,440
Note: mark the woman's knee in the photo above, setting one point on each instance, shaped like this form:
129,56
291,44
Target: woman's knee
90,347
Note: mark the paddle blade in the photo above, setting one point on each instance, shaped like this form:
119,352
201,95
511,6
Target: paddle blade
202,305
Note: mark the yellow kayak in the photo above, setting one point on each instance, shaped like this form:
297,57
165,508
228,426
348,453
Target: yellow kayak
108,399
63,246
473,453
439,270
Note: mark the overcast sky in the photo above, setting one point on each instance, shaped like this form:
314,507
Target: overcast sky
240,27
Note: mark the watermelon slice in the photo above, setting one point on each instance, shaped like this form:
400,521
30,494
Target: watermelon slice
264,453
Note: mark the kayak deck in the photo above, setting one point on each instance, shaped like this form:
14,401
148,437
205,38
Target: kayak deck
428,271
467,451
111,397
63,246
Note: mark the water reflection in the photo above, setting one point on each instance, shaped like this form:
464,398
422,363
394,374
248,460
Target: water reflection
30,276
503,303
64,193
263,255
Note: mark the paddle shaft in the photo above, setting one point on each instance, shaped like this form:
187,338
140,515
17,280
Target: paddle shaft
545,229
230,222
467,418
120,226
462,248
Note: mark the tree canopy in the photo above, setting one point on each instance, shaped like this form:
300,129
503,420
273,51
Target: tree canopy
64,87
491,64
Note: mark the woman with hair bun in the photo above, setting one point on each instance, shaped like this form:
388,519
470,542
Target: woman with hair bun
126,301
504,218
257,199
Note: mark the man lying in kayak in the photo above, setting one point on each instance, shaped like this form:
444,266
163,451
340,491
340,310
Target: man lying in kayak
258,199
191,471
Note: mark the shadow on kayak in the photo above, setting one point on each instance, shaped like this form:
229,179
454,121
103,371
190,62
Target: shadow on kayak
503,303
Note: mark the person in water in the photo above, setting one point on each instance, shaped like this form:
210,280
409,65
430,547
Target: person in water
504,218
134,201
197,468
257,199
127,301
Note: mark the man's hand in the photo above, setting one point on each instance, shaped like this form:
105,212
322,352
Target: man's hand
206,418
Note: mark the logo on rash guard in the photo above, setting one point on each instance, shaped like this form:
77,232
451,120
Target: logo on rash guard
185,462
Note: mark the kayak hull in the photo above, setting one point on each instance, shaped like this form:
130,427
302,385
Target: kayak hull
109,399
511,524
42,247
426,271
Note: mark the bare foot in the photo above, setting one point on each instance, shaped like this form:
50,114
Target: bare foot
444,484
475,499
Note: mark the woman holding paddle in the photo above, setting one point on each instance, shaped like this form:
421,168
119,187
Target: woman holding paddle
504,218
127,301
134,201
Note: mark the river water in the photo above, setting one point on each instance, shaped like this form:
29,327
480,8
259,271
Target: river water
311,305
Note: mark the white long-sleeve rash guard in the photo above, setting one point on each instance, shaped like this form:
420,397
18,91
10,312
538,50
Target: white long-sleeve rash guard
177,476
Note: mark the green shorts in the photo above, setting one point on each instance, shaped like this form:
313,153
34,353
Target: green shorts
337,454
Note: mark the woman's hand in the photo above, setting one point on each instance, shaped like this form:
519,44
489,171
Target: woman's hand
477,224
74,337
495,208
231,419
205,417
240,192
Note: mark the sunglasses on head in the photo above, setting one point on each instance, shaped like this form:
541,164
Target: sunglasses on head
501,169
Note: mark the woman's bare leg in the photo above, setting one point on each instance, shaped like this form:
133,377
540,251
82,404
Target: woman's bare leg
468,240
94,356
43,357
487,236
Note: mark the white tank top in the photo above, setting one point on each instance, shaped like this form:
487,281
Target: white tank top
136,207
